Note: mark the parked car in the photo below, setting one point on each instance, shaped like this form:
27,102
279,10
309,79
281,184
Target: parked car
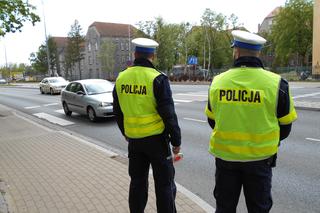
3,81
92,97
52,85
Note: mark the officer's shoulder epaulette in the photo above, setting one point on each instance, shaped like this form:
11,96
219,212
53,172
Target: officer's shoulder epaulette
162,73
283,80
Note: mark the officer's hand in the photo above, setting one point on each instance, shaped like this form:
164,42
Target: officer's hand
176,149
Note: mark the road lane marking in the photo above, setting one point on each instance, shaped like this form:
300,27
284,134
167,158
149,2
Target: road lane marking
182,101
53,119
52,104
60,111
32,107
313,139
196,95
306,95
192,119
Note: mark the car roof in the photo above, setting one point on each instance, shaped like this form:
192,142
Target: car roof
53,77
90,80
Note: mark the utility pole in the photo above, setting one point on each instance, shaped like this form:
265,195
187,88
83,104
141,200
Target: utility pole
47,43
5,57
129,34
316,42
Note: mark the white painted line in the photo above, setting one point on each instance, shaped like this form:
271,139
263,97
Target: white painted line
306,95
52,104
32,107
183,101
313,139
203,204
196,95
60,111
192,119
53,119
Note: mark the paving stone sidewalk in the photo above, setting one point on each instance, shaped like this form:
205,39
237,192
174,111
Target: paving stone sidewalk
45,171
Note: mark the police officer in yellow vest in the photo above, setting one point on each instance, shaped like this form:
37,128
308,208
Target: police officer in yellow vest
250,111
146,117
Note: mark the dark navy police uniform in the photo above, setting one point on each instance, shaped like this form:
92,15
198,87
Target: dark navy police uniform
153,150
255,177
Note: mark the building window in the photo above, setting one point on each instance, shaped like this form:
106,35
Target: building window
89,58
127,46
122,46
96,45
89,47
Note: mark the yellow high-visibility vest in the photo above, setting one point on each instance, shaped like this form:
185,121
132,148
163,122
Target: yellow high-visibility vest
244,106
134,88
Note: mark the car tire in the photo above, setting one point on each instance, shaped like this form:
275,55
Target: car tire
91,114
51,91
42,92
66,109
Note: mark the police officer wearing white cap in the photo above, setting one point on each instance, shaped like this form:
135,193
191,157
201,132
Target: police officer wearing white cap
146,116
250,111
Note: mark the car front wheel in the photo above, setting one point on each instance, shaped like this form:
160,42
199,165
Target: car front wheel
51,91
42,92
91,114
66,109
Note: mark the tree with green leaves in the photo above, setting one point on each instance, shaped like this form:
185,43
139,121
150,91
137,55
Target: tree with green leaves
39,60
75,47
13,15
291,33
215,27
166,35
106,56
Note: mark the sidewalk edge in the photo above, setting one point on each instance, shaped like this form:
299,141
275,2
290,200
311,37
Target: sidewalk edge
200,202
196,199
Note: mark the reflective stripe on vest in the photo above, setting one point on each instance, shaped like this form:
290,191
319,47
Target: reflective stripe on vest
244,105
136,98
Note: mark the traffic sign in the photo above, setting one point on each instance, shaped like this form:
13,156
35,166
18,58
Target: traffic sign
192,60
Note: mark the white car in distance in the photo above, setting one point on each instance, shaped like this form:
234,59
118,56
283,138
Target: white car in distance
52,85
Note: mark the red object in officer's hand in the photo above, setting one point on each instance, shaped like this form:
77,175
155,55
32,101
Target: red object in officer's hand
177,157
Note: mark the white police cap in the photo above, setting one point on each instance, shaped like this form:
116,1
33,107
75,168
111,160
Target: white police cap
246,40
145,45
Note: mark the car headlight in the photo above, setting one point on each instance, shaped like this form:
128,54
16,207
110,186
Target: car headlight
105,104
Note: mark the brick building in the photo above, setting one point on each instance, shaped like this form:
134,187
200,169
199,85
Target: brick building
120,35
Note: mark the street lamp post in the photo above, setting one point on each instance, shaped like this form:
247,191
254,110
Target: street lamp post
47,43
5,56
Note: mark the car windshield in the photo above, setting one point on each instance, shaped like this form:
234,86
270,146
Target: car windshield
57,80
98,87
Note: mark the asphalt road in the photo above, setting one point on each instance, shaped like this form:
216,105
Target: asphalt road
296,179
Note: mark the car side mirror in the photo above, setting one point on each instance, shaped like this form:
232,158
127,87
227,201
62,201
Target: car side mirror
80,93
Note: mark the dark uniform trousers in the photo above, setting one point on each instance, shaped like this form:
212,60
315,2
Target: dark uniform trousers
255,178
142,153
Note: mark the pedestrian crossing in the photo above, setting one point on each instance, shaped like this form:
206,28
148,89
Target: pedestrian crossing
54,113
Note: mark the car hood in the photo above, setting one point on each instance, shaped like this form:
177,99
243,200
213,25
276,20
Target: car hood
104,97
58,84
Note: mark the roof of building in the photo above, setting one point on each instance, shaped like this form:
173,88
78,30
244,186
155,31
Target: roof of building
60,41
113,29
274,12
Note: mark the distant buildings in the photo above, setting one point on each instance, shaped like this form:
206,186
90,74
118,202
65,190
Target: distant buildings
116,35
267,22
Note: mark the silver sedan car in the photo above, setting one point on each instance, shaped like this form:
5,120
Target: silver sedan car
92,97
52,85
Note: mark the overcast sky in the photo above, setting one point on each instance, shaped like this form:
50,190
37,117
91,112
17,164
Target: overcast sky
60,15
